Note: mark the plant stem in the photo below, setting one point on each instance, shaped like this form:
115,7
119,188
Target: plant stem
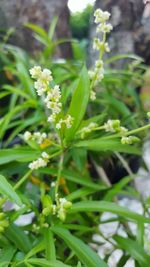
139,129
128,133
60,167
22,180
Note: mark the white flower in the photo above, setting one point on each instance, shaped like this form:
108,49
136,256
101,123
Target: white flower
62,200
123,130
35,72
37,164
46,75
40,86
99,63
126,140
39,138
53,184
54,106
101,16
27,136
112,126
97,44
91,74
107,48
51,97
52,118
58,125
40,162
104,27
68,121
92,95
88,129
45,155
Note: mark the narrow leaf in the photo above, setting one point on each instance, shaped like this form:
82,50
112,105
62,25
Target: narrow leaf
79,103
7,190
102,206
134,249
85,254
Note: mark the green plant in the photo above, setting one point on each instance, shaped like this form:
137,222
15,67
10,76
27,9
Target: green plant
48,173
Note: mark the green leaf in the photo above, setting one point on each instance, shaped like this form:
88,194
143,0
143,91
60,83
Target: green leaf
38,248
6,255
100,144
134,249
45,263
75,178
85,254
79,103
17,236
7,190
102,206
50,245
38,30
23,154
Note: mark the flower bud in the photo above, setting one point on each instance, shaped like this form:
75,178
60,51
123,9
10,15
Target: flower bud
2,215
62,214
67,205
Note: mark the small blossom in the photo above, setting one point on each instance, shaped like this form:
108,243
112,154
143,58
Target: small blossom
126,140
97,44
68,121
88,129
101,16
52,118
107,48
92,95
40,162
112,126
45,155
27,136
39,138
104,27
123,130
46,76
35,72
129,140
58,125
53,184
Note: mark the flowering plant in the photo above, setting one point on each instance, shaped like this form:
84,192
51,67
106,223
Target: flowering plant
57,189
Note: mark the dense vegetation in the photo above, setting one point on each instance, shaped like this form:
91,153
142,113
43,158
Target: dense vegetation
65,134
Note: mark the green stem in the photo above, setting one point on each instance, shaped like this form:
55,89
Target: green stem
128,133
60,167
22,180
139,129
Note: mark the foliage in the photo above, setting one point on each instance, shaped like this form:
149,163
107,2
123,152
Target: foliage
80,23
53,171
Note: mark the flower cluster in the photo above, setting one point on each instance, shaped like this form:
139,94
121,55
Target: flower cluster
129,140
88,129
42,79
38,137
102,46
40,162
67,121
3,222
51,95
59,209
115,127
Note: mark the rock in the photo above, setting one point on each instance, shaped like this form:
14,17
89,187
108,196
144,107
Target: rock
16,13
